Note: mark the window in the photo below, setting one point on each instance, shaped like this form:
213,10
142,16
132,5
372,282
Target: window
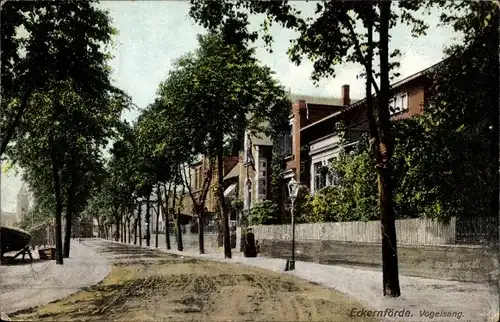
319,176
262,168
404,102
398,104
262,188
330,180
286,142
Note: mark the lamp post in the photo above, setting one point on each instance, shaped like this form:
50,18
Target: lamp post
293,189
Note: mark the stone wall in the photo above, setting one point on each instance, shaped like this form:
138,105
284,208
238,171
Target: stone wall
463,263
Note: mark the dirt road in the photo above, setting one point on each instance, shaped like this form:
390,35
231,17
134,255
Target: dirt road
148,285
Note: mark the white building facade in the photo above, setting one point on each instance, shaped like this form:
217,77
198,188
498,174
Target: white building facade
322,152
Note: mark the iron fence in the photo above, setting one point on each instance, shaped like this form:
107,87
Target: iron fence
477,230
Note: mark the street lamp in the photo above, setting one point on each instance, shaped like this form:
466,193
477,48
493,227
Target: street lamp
293,190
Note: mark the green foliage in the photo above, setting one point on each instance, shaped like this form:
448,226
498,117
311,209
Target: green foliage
237,204
354,196
328,40
229,77
448,159
75,125
263,213
60,109
302,205
54,49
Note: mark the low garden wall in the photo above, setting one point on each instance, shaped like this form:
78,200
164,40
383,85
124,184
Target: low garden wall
463,263
426,248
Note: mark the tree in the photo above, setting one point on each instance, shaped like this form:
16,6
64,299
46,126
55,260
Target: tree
200,197
62,59
223,89
59,45
124,183
59,149
157,154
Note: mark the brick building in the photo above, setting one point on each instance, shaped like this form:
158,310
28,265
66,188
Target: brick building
308,110
197,176
251,178
321,140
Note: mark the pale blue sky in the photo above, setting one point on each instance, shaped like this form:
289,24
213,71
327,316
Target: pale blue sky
152,34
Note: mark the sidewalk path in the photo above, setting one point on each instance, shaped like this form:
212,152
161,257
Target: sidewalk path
31,285
475,302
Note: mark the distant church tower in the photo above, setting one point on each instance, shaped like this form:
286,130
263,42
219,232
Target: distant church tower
23,202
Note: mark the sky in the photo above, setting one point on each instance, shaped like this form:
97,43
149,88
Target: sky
152,34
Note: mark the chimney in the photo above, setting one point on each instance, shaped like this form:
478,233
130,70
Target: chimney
345,95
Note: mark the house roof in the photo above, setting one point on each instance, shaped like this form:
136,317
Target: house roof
234,173
361,102
318,100
261,139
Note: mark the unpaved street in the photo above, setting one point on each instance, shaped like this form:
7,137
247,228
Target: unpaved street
148,285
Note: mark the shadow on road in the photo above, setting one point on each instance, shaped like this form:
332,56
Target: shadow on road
6,261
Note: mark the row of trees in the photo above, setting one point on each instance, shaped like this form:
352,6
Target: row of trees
59,106
61,109
208,100
61,112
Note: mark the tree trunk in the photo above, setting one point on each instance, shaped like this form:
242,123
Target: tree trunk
129,230
389,250
201,240
140,223
69,206
157,214
98,228
179,231
222,202
167,223
57,193
118,228
124,226
148,233
135,231
67,233
120,221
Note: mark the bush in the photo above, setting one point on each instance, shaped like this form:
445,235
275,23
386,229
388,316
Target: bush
354,197
264,213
